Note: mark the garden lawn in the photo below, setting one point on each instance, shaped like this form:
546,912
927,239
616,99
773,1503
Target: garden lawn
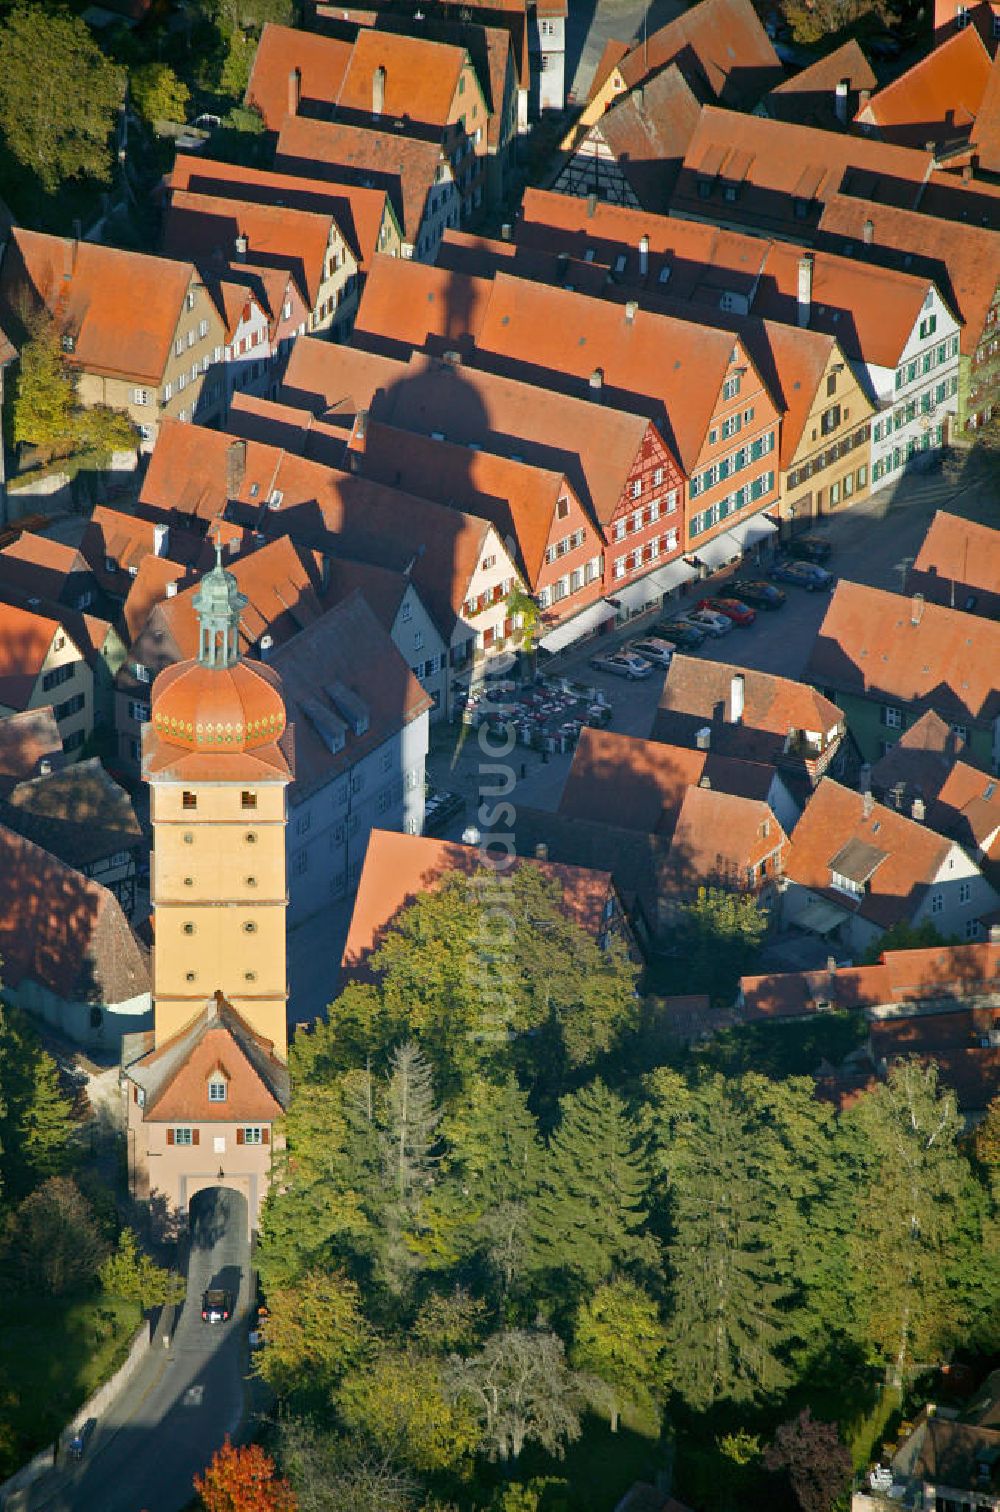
54,1352
601,1466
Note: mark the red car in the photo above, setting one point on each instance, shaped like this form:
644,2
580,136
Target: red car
734,609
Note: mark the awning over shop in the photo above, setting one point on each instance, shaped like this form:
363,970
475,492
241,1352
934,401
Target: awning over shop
716,553
673,575
637,596
584,623
751,532
820,917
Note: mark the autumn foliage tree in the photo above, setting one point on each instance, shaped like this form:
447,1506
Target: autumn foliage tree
243,1478
817,1464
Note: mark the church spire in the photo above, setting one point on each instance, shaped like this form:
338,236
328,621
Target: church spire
218,605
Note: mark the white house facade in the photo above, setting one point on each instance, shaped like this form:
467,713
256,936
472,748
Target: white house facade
918,399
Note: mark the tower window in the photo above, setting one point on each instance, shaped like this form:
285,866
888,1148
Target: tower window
188,837
189,976
250,927
189,800
248,800
188,881
188,928
251,881
250,976
251,837
217,1089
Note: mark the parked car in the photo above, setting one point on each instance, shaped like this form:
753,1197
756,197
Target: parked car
713,624
216,1305
441,808
659,652
805,575
734,609
758,592
683,633
808,548
622,664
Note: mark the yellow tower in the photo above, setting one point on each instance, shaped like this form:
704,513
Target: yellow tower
218,775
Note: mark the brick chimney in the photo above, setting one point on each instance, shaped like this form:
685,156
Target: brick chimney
236,468
737,690
805,289
840,100
294,91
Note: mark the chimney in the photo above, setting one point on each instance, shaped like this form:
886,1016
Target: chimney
864,95
240,246
840,101
865,777
361,428
805,288
831,966
630,309
266,644
995,934
45,769
597,380
172,589
867,803
704,781
737,688
506,231
591,206
643,256
378,91
868,232
236,468
161,540
541,851
69,257
916,608
294,91
703,738
918,810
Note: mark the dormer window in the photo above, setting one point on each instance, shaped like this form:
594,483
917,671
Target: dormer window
218,1088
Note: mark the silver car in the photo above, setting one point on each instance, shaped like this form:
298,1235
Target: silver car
622,664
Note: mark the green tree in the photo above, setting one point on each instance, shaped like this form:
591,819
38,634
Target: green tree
813,20
44,393
720,935
904,936
447,1323
398,1402
732,1295
912,1189
36,1117
52,1244
315,1331
521,605
589,1211
618,1338
58,96
135,1276
158,94
522,1392
330,1473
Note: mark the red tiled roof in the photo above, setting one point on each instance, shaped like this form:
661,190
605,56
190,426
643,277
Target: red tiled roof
397,163
808,97
206,228
963,260
420,77
121,307
910,854
961,551
409,305
721,46
288,427
178,1073
321,61
937,99
356,211
938,974
873,643
25,641
698,693
398,868
26,740
967,807
63,931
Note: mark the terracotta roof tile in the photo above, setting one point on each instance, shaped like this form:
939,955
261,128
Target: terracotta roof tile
722,47
397,163
288,427
612,56
121,307
648,131
904,857
877,644
79,814
967,807
698,693
175,1075
25,640
321,61
357,212
809,96
63,931
398,868
408,304
777,164
963,260
206,228
917,765
937,99
962,552
644,782
26,740
986,132
421,77
718,836
127,539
